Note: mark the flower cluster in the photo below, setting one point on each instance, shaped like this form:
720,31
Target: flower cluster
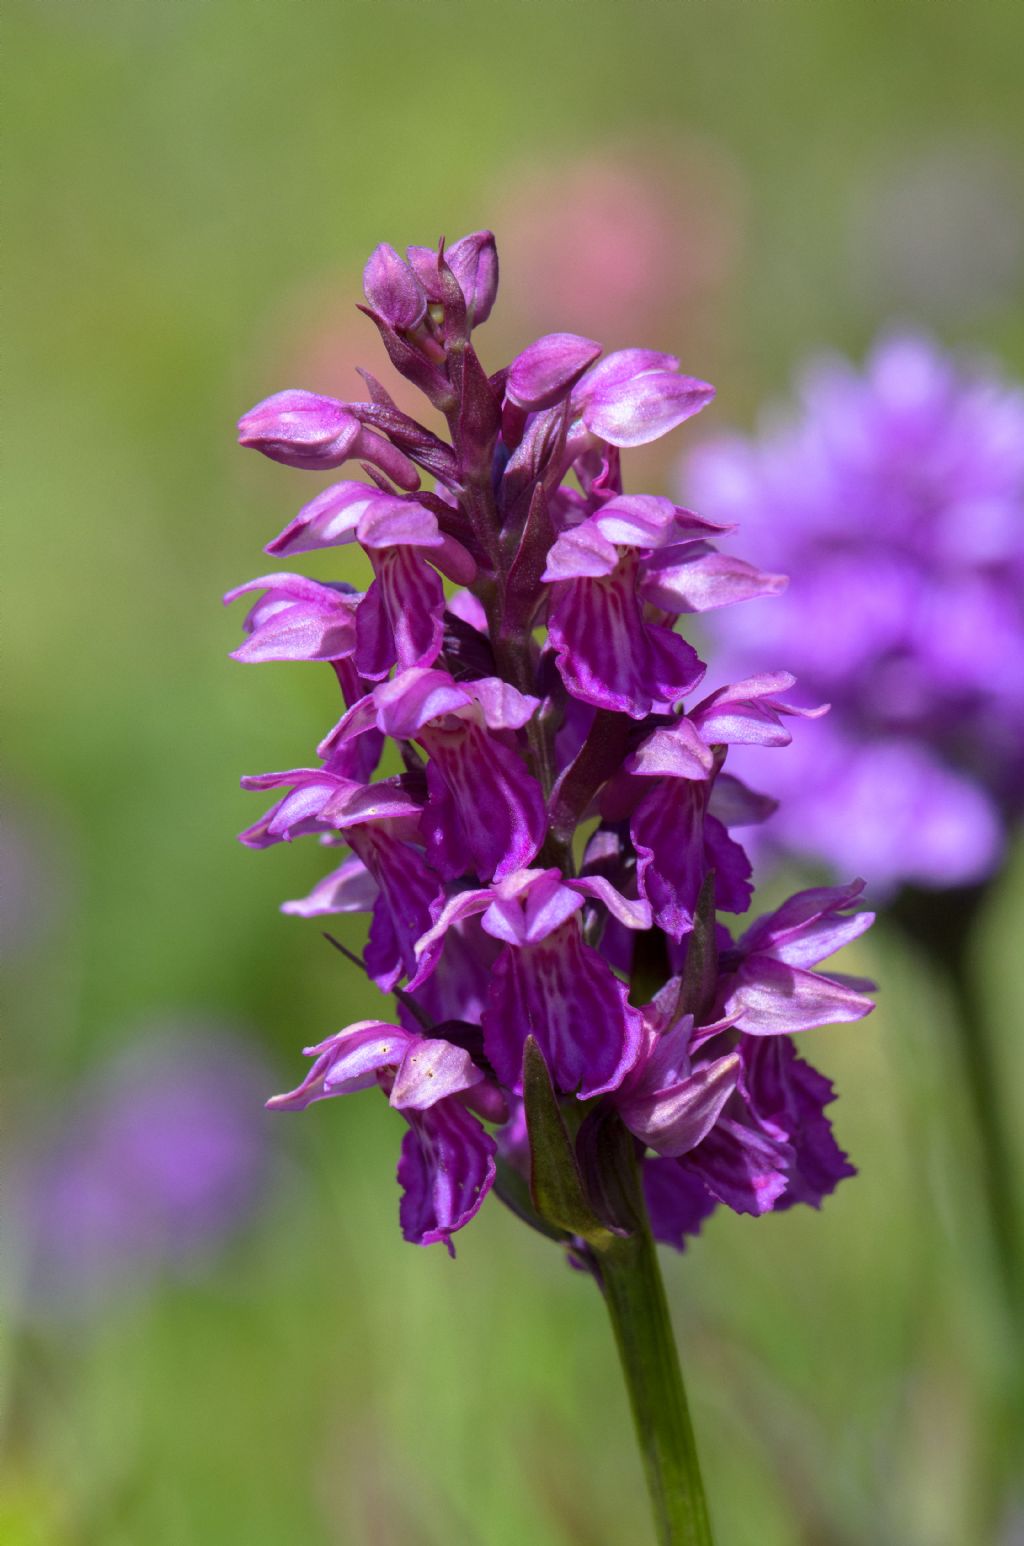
543,874
896,500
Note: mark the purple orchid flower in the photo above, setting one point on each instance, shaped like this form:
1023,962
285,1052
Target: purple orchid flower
297,619
547,982
766,980
552,690
447,1164
485,813
301,429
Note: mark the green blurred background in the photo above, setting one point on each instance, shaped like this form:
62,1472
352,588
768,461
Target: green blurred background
192,189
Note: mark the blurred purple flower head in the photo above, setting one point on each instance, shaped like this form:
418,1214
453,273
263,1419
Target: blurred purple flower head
548,694
161,1157
894,498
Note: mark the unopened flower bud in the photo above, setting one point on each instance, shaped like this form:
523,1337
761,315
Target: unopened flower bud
393,290
300,429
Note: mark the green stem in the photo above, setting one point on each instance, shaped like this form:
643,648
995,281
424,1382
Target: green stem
635,1296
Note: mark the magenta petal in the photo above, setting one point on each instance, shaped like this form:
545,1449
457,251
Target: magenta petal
564,994
408,887
445,1171
328,521
744,1167
473,260
582,552
810,926
414,697
635,412
300,429
695,578
431,1070
393,290
621,367
413,599
749,712
375,640
296,619
731,865
347,1062
486,812
349,889
454,911
673,751
789,1097
678,1202
544,372
528,906
504,707
678,1117
390,522
632,913
769,998
649,521
667,828
737,806
609,656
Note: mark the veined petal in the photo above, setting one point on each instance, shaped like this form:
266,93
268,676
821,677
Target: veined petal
622,366
676,1118
637,411
749,713
770,998
393,289
632,913
582,552
414,697
330,520
445,1171
457,909
565,995
673,751
503,706
544,372
408,887
432,1070
609,656
413,599
349,889
348,1061
678,1202
649,521
486,813
473,259
667,829
301,632
745,1167
789,1097
390,522
695,578
810,926
735,805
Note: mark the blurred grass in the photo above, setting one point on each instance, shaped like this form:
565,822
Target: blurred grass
181,179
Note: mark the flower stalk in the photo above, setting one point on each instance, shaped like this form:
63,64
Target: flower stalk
635,1296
